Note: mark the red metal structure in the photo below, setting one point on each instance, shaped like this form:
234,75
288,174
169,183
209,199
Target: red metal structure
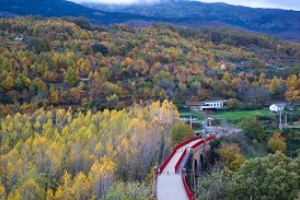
170,172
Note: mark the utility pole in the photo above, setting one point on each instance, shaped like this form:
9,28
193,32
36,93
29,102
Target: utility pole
280,123
285,119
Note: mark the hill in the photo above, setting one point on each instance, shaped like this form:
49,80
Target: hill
67,61
281,23
59,8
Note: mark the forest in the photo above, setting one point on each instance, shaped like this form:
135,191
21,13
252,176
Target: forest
69,62
66,154
87,111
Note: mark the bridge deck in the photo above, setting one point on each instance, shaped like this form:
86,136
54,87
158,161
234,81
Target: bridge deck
169,184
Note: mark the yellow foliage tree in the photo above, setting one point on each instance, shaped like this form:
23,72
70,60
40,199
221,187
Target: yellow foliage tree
292,81
277,143
274,84
50,195
292,95
14,195
101,176
30,189
64,191
227,76
231,156
81,187
8,83
2,192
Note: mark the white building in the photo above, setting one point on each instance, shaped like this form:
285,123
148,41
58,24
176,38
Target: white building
18,39
207,104
276,107
212,104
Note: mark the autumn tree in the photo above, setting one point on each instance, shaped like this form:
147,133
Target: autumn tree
80,187
227,76
231,156
211,64
180,132
277,143
102,176
2,192
292,81
71,76
8,83
274,84
293,93
53,95
30,189
64,191
14,195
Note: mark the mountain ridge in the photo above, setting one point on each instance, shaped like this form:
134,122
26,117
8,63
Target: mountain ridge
280,23
60,8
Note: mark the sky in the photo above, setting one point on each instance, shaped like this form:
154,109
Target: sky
282,4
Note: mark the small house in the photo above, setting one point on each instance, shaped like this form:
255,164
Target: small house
206,105
276,107
213,104
18,39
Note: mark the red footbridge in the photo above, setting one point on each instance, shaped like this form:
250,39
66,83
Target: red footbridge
180,169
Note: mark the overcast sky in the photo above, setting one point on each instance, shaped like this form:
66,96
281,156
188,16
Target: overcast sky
283,4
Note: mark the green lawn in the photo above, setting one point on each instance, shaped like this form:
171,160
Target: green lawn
233,115
294,126
186,114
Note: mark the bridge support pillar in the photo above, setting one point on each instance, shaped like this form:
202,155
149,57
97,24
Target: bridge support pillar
190,171
155,180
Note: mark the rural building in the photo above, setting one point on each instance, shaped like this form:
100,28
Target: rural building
205,105
85,80
277,107
194,105
18,39
213,104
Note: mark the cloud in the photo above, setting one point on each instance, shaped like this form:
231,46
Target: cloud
116,1
282,4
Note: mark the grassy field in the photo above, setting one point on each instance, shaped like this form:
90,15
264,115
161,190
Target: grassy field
233,115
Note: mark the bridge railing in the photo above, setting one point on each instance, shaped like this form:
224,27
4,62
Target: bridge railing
186,142
197,144
179,162
164,164
208,139
189,193
177,166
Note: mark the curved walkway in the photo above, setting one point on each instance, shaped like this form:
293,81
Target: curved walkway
170,182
